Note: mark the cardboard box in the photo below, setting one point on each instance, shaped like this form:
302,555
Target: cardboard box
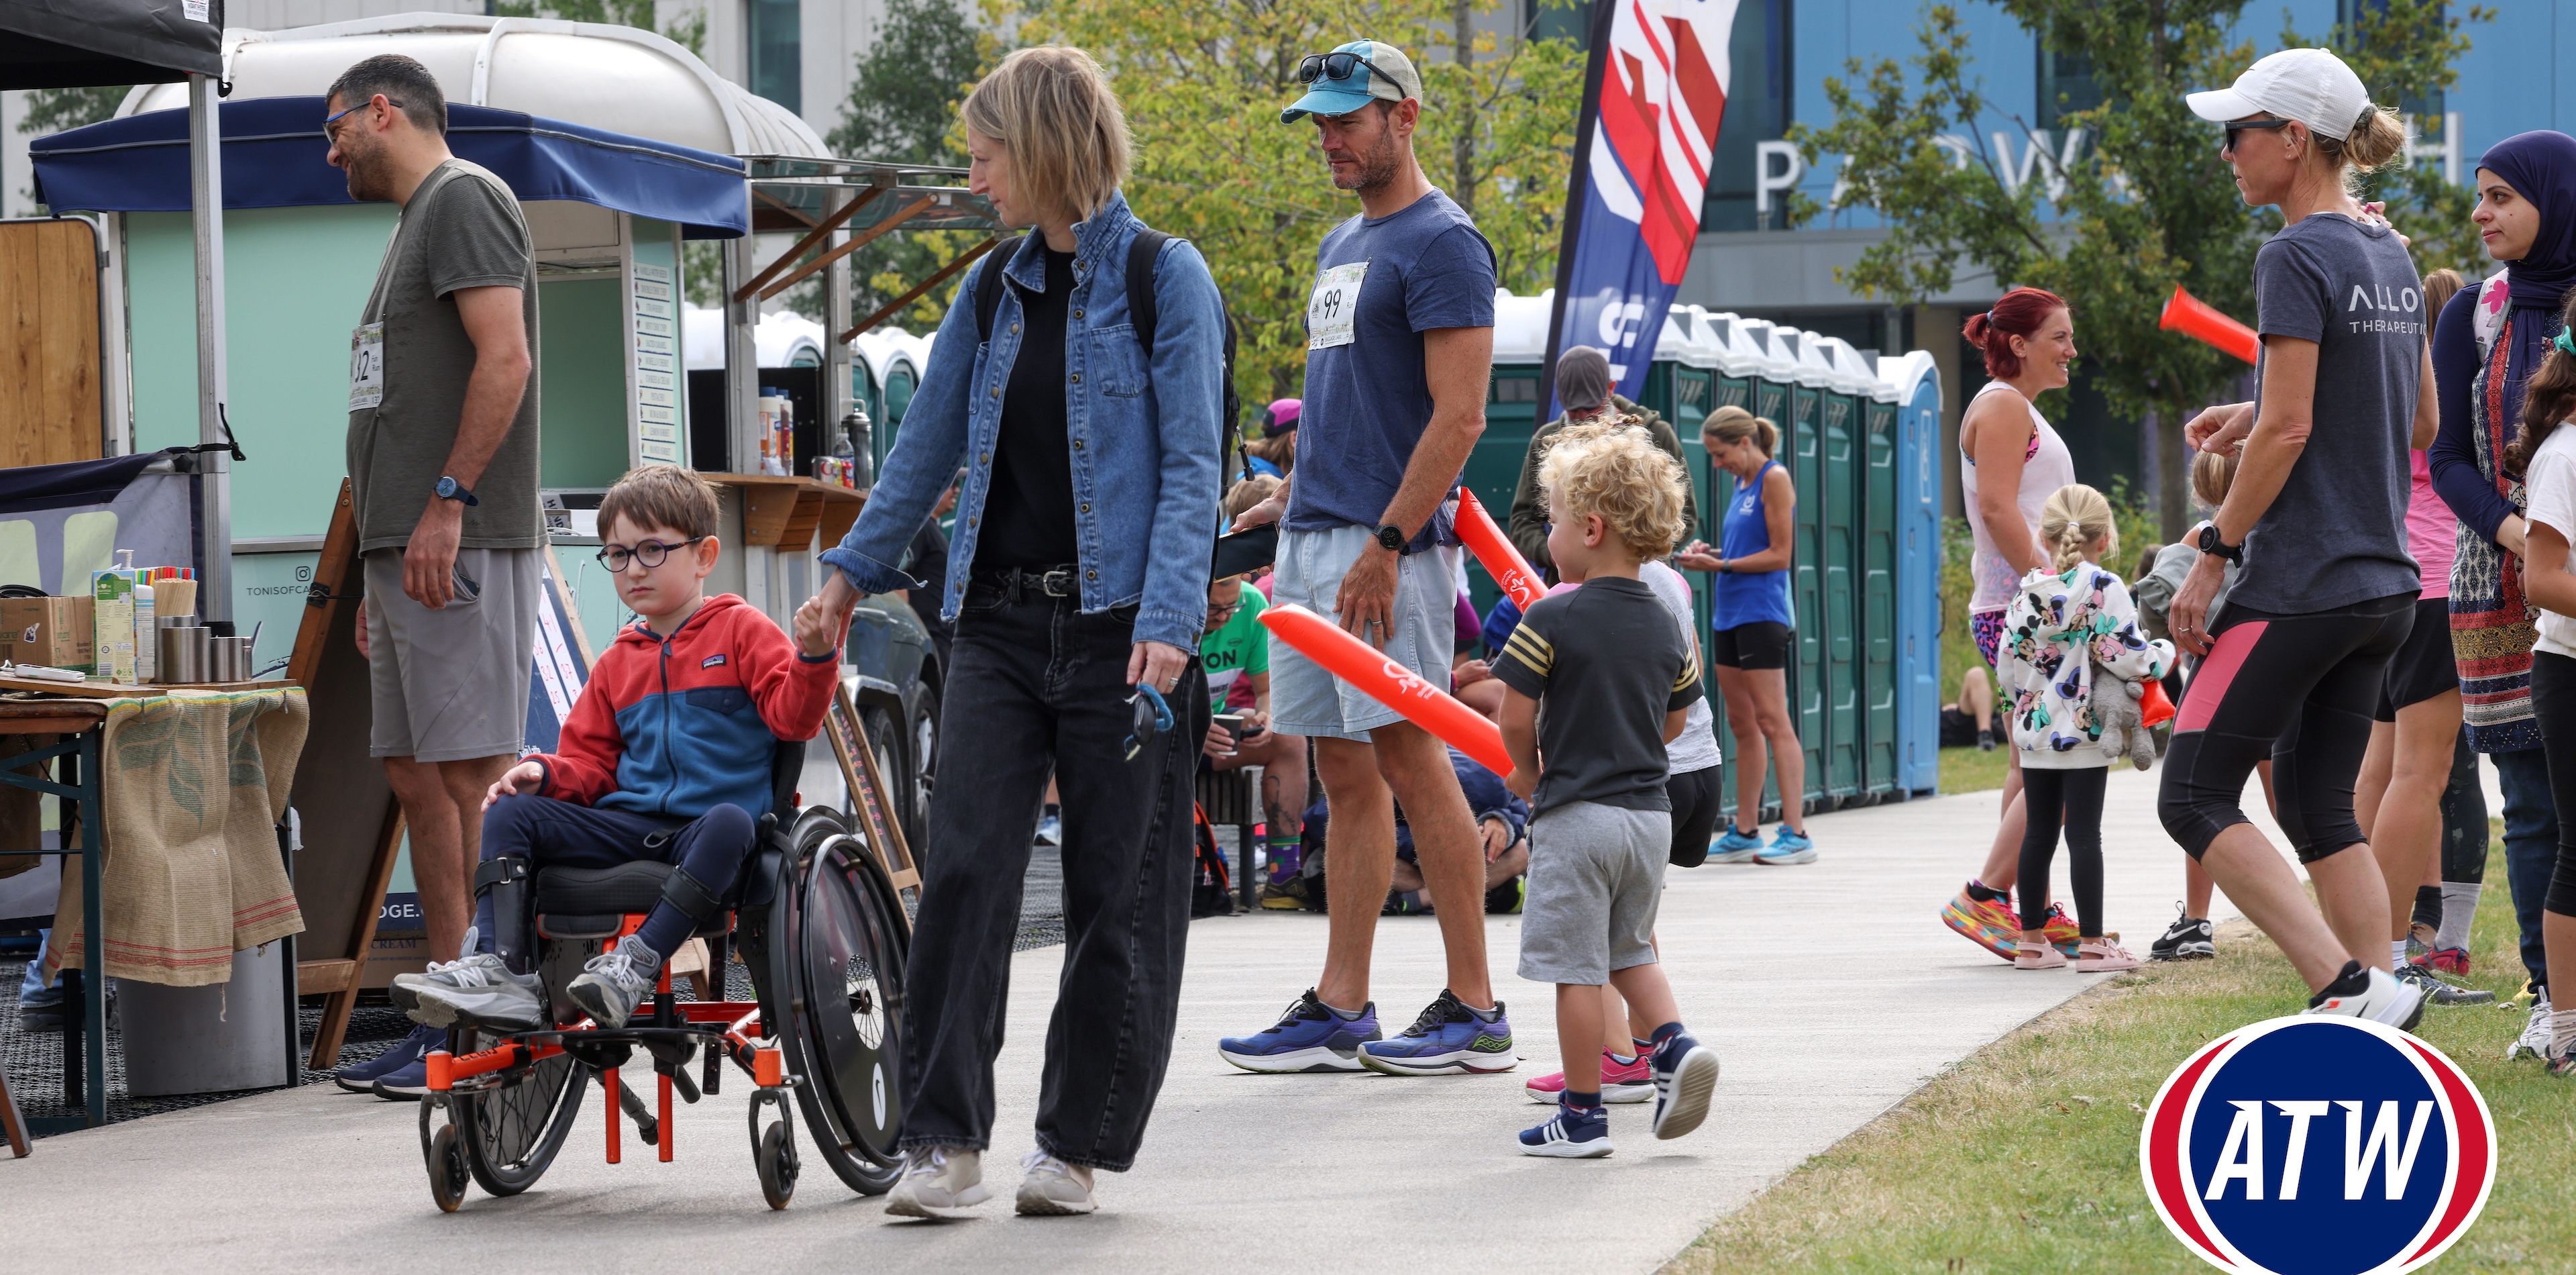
61,632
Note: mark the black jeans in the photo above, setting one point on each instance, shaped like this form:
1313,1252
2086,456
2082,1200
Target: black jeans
1039,687
2553,699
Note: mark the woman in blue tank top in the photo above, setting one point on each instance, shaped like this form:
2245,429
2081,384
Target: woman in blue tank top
1749,648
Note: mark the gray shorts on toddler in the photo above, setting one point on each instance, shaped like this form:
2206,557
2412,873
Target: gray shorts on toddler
1596,878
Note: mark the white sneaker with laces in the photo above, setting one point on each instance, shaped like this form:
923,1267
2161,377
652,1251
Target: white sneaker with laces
2535,1034
1054,1188
939,1182
475,989
614,982
2386,1000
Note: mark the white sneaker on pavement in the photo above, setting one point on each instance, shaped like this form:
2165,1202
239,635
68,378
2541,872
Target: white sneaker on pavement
1054,1188
939,1182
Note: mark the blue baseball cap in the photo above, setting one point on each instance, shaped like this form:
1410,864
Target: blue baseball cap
1377,72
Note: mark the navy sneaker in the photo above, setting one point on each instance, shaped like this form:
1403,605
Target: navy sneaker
1685,1072
1573,1133
1448,1037
1309,1037
360,1077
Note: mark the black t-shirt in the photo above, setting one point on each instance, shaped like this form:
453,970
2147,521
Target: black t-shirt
1606,663
1029,514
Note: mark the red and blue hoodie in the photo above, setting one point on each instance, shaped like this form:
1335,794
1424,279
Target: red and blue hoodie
676,726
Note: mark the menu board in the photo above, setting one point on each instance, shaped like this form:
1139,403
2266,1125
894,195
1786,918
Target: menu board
658,381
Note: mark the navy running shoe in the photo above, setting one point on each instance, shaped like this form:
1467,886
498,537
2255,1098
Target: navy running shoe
1573,1133
360,1077
1448,1037
1685,1072
1309,1037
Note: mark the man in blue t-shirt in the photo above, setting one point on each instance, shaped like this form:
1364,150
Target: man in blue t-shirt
1400,343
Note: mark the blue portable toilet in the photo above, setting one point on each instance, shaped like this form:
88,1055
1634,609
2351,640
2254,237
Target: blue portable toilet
1917,383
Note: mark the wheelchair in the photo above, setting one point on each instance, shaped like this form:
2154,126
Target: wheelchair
818,923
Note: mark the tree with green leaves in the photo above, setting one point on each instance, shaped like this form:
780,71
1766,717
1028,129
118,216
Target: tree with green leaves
2135,201
689,30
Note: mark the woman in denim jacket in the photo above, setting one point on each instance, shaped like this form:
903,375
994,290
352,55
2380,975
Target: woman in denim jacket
1079,569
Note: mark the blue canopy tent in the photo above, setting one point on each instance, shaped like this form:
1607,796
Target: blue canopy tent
273,156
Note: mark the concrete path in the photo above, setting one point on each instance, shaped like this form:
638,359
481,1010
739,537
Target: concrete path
1244,1172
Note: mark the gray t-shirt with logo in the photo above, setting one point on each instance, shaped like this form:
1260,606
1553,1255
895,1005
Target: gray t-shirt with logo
2336,534
462,229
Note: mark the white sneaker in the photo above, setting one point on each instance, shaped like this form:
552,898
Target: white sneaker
614,982
939,1182
1054,1188
2535,1034
2386,1000
475,989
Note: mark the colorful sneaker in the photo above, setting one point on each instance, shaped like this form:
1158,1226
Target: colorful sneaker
1685,1074
1788,847
2453,961
1446,1037
2189,938
2062,931
1735,846
1573,1133
1988,923
360,1077
1309,1037
2385,1000
2563,1064
1630,1081
2441,993
475,989
2535,1033
614,982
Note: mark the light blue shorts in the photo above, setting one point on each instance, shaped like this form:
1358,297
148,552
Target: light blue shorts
1306,700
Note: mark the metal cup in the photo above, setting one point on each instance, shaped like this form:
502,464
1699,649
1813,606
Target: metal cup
182,653
231,660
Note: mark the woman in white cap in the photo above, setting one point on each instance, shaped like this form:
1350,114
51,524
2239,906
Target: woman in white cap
2326,593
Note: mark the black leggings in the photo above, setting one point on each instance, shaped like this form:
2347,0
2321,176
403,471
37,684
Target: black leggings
1694,794
2464,819
2553,699
2300,688
2075,798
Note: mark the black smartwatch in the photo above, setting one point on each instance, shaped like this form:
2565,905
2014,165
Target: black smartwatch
450,489
2212,543
1392,538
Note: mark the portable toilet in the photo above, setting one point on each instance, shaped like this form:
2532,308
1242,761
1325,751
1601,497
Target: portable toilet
1512,410
1915,383
1877,579
1843,529
1802,448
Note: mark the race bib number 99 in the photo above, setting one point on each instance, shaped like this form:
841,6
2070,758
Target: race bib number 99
1336,303
367,366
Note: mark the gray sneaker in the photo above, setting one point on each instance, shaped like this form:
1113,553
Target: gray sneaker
939,1182
475,989
1054,1188
614,982
2441,993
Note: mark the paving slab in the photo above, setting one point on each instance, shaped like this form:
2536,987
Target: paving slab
1829,990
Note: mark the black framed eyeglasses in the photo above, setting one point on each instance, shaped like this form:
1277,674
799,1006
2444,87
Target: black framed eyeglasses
651,553
2244,125
1337,65
326,124
1220,612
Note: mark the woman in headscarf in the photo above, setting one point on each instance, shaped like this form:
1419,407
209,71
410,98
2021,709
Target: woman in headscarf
2486,344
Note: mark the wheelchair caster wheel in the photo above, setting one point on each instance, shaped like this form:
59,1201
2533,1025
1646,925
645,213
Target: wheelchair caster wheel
447,1175
775,1158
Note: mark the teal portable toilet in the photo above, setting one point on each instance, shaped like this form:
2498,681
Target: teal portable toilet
1802,390
1511,416
1916,383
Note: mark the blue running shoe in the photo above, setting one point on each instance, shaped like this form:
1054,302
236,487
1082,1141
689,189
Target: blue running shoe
1573,1133
1685,1072
360,1077
1309,1037
1736,846
1787,848
407,1083
1448,1037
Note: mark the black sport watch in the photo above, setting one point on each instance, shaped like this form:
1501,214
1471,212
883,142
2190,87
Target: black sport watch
1392,538
450,489
2214,544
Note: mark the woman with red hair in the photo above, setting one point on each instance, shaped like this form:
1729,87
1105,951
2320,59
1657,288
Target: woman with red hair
2011,462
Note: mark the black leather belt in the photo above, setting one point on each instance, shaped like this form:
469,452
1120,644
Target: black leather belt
1054,582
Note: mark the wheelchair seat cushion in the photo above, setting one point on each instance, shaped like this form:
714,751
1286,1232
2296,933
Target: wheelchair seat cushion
628,887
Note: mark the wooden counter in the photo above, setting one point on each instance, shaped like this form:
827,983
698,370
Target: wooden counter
789,512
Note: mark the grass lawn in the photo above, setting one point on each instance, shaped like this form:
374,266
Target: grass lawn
1973,769
2024,1157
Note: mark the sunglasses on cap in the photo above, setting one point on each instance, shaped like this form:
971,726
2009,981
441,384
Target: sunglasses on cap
2244,125
1338,65
1153,717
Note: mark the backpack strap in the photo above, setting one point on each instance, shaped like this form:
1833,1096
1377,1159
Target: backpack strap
988,285
1142,253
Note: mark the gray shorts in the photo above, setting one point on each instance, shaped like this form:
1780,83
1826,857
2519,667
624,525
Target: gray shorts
1306,700
1596,878
452,684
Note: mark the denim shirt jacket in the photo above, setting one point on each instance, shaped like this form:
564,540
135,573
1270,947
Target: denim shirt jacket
1145,434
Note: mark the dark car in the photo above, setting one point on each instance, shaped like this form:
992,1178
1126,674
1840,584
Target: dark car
892,671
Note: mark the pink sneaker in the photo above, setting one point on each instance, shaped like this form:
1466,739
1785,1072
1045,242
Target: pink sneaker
2102,955
1632,1081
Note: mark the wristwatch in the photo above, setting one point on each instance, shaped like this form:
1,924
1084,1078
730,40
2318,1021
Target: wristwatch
2212,543
450,489
1392,538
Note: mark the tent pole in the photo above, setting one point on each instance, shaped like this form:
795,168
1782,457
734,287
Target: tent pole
206,186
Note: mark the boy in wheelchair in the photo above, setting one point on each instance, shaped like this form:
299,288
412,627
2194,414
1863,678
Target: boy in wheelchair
666,757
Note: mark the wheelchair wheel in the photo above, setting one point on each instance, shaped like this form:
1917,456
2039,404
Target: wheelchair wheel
842,971
509,1135
446,1170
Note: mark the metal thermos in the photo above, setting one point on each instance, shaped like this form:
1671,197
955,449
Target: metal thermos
231,662
183,653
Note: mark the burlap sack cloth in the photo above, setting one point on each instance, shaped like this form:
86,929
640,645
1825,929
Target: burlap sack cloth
195,783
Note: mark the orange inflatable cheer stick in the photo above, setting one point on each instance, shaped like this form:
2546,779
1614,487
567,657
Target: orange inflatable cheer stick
1494,551
1390,683
2194,318
2155,708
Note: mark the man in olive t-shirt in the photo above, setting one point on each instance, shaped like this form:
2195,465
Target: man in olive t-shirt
442,460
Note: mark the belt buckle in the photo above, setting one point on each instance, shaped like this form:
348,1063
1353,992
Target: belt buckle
1058,583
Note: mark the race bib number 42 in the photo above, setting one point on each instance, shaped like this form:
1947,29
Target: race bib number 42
367,366
1329,313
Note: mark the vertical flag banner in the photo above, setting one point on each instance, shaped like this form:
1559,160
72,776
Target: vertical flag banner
1652,99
